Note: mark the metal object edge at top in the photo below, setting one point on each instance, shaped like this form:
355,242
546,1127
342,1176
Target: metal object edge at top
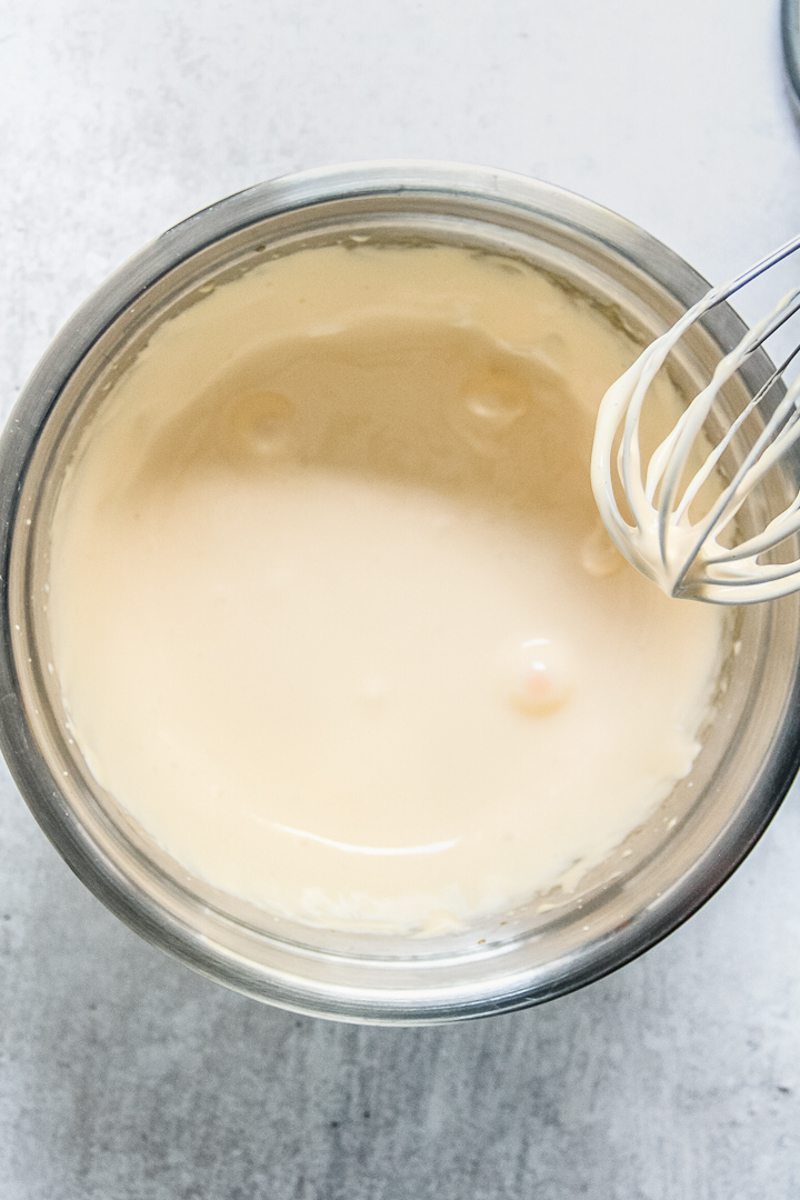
790,38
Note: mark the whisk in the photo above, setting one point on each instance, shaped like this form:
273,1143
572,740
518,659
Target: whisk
693,556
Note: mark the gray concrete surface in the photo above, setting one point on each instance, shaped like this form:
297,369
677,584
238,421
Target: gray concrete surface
124,1077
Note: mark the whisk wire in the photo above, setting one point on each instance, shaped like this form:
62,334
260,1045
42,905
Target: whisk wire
768,448
712,459
662,537
777,438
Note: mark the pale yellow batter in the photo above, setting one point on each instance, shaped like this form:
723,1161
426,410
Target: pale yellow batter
332,610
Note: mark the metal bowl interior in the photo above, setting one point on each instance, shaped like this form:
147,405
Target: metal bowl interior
751,749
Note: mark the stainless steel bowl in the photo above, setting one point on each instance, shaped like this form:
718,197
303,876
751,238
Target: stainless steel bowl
665,870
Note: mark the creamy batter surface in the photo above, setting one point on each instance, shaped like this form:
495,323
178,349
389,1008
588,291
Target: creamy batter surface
332,610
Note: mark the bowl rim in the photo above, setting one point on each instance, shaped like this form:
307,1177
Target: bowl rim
25,760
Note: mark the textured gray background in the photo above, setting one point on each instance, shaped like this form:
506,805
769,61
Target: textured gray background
124,1077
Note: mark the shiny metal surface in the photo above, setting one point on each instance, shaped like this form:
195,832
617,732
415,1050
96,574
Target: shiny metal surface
751,751
790,37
